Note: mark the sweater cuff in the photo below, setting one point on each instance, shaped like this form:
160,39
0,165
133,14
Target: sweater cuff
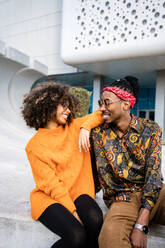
147,203
93,121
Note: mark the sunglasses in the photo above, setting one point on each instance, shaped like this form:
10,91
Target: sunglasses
65,106
106,102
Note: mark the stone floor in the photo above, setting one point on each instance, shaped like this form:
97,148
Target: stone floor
23,232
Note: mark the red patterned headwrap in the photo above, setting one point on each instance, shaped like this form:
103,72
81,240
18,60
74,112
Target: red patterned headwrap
122,94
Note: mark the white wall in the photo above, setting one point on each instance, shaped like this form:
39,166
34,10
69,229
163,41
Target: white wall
104,30
17,77
34,27
160,100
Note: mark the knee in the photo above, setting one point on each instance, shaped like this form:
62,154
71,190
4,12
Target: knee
114,235
78,239
96,220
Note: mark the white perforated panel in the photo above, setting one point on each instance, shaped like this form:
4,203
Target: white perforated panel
95,30
108,22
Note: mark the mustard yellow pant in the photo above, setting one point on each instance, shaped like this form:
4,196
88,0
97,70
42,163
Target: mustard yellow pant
121,217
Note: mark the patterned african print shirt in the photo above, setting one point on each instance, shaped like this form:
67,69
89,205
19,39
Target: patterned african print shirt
128,164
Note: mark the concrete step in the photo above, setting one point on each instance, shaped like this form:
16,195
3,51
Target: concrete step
22,231
156,237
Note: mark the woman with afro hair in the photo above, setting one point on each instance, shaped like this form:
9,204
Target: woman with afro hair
63,199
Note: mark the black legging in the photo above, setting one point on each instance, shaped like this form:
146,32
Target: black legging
74,235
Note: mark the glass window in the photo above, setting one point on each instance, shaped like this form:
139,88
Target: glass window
152,115
142,113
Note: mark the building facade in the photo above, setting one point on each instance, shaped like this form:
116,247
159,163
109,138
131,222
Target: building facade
91,43
115,39
87,43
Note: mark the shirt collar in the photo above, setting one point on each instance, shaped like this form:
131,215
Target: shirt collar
134,123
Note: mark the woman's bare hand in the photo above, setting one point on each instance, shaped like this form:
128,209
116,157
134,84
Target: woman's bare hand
84,140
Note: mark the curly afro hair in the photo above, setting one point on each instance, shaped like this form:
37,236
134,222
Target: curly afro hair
42,101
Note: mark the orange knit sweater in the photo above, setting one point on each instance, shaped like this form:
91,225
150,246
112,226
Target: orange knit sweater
60,171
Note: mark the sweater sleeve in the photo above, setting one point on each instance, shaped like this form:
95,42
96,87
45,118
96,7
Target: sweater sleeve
47,181
92,120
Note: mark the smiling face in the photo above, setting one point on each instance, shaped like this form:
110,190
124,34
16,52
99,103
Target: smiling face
111,107
60,116
62,113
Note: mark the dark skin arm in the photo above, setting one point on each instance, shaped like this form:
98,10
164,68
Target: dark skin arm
139,238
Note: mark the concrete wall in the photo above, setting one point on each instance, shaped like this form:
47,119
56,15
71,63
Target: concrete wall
34,27
160,101
17,76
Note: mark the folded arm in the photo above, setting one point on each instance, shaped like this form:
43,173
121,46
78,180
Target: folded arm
90,121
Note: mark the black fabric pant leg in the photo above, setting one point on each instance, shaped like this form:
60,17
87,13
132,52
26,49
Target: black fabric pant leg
73,235
60,221
92,218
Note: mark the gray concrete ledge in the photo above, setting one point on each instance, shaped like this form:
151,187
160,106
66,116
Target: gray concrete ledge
156,237
2,48
21,58
17,56
22,231
157,231
37,66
